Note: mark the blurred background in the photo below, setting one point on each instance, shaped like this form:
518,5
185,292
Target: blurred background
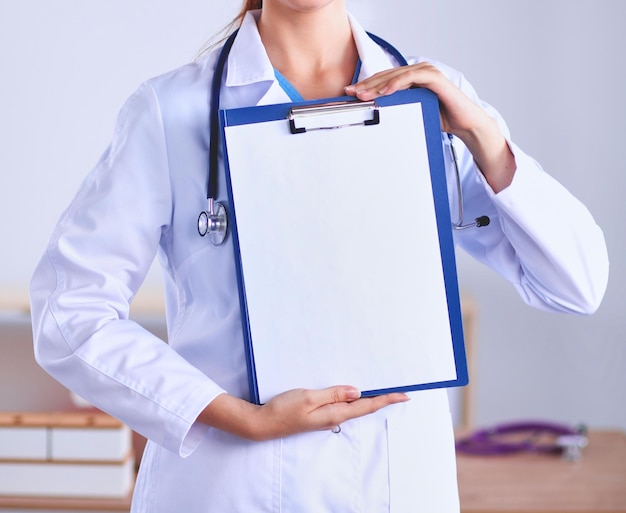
553,68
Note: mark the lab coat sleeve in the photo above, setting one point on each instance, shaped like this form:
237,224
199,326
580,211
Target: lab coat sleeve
96,260
541,238
550,248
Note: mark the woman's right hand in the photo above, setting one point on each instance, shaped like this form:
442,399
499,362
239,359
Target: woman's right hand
294,411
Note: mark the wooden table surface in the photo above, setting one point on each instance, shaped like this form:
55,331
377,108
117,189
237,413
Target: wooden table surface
533,483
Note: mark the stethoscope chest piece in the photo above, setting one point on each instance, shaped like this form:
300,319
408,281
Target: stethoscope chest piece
213,223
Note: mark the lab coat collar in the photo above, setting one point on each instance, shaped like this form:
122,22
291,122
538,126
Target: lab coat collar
248,62
373,57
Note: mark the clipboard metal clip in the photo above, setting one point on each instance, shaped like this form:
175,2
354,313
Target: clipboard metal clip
327,116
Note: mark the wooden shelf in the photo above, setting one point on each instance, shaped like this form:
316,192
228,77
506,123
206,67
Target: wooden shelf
65,504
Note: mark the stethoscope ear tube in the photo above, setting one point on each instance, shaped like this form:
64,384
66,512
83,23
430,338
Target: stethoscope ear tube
459,224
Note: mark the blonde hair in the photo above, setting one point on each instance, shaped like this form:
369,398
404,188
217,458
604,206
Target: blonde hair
248,5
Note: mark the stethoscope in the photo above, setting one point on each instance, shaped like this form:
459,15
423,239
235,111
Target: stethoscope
516,437
213,222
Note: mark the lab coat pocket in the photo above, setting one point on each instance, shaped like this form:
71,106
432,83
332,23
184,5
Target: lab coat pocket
345,471
422,461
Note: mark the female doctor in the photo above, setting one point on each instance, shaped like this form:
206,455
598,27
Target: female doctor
209,449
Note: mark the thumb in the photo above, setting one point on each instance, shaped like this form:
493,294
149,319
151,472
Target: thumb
341,394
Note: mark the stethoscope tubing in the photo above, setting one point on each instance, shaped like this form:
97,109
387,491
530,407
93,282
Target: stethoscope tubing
493,441
216,88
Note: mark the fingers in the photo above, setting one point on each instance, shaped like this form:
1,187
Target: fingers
396,79
334,413
338,394
350,395
367,405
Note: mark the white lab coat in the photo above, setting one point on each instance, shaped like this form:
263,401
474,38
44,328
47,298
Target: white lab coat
143,199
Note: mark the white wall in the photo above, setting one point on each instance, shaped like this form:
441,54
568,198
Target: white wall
554,68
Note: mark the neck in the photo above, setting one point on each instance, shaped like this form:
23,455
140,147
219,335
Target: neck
313,48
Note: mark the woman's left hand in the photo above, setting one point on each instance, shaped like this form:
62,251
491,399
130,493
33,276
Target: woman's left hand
459,116
458,113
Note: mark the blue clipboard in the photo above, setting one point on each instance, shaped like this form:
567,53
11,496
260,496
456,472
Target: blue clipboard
343,244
